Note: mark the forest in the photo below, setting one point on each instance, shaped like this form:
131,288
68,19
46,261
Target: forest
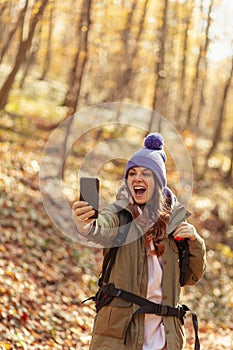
81,84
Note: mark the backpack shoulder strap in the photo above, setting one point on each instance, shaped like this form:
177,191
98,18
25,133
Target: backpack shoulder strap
124,218
183,249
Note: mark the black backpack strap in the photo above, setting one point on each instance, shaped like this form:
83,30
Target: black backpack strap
124,219
109,260
146,306
183,249
109,291
195,326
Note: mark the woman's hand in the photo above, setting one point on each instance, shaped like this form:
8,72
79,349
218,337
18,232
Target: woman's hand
81,215
185,230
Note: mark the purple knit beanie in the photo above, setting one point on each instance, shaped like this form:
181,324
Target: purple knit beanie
151,156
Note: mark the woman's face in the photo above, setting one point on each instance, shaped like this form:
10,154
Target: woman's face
141,184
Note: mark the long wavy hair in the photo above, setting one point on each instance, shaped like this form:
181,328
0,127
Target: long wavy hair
153,217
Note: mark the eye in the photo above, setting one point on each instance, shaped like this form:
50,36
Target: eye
147,174
132,173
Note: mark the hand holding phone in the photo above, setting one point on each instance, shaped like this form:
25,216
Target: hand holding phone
82,214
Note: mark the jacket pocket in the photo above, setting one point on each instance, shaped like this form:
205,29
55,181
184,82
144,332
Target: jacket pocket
112,320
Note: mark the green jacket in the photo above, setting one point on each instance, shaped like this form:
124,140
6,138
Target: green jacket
130,272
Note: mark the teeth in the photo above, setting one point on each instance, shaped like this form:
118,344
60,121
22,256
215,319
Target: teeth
139,188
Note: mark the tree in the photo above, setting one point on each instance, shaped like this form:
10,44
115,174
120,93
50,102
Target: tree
218,131
19,23
30,58
199,77
126,55
129,55
77,70
24,46
203,76
47,61
160,69
184,53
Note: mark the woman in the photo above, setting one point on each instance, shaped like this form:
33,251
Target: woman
148,265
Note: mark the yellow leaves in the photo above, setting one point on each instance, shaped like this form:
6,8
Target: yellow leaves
36,7
2,248
225,250
10,274
219,161
85,339
5,346
3,290
189,139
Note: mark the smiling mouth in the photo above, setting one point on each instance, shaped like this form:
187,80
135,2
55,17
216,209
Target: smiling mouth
139,191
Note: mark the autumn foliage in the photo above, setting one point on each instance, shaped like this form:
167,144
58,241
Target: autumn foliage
58,57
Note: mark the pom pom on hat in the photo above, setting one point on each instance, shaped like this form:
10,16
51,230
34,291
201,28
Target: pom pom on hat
154,141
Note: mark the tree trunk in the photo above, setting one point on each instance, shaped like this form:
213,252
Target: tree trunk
48,44
198,79
13,30
77,70
204,73
130,57
218,131
4,8
180,107
158,93
22,52
72,97
155,123
123,74
30,60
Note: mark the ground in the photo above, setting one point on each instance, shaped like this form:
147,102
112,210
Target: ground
44,275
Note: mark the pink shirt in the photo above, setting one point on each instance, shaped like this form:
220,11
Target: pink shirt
154,334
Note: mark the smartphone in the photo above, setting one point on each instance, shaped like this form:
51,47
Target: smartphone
89,192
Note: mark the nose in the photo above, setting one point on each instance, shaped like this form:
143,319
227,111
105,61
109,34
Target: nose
138,177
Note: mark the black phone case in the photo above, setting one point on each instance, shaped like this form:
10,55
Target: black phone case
89,192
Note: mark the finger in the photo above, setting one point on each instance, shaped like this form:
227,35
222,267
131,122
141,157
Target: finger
183,225
180,233
89,221
185,232
86,215
82,210
79,204
180,230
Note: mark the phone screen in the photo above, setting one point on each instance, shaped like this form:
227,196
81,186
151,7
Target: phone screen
89,192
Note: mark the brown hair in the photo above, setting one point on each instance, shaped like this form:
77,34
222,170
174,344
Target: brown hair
153,219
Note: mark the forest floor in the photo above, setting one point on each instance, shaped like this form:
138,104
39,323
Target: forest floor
44,276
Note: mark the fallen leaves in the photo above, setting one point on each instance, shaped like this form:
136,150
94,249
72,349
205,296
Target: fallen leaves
41,285
44,276
40,303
